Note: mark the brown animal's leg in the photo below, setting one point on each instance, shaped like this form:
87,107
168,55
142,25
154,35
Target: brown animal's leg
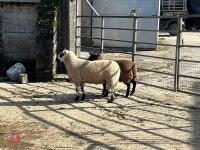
134,86
77,95
128,89
83,92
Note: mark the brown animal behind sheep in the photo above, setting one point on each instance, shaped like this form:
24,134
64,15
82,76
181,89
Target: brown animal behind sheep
128,72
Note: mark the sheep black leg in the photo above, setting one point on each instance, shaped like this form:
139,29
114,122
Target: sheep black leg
128,89
111,99
104,87
83,92
77,95
134,86
105,91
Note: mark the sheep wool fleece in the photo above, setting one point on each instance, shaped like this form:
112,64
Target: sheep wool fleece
97,72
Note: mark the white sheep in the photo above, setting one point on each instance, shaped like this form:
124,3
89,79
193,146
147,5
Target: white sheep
82,71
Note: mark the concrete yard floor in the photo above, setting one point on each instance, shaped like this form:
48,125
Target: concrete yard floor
45,116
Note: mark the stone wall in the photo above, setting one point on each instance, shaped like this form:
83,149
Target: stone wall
1,33
72,24
21,37
19,30
24,1
18,34
86,32
81,8
1,46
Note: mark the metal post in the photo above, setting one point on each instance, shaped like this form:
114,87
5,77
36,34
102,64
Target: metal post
78,30
76,26
91,24
90,5
134,38
102,33
177,57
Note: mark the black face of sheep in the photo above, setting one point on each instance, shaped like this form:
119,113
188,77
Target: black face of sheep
126,73
62,54
60,57
57,60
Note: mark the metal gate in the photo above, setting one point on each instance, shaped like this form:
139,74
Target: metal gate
177,68
189,65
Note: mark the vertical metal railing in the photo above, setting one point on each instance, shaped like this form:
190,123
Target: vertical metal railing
190,62
75,42
102,24
166,78
102,33
177,56
134,38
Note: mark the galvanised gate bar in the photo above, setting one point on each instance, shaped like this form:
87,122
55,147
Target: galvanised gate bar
178,70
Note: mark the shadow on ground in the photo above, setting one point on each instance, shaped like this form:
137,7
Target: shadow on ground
195,116
116,114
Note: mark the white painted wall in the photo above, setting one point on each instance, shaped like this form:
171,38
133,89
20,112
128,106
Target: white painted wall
121,8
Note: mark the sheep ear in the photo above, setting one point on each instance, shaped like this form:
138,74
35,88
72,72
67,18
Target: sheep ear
66,51
91,53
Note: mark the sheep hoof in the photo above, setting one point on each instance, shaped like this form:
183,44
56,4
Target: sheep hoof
105,93
77,98
83,97
111,99
132,92
127,94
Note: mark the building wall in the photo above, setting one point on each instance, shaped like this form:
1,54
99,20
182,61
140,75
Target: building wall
73,10
25,1
72,18
1,33
19,30
19,36
86,11
79,8
123,8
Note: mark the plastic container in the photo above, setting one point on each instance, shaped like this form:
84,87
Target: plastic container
23,78
14,71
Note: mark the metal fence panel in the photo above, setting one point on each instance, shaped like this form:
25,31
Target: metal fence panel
178,68
155,71
190,70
